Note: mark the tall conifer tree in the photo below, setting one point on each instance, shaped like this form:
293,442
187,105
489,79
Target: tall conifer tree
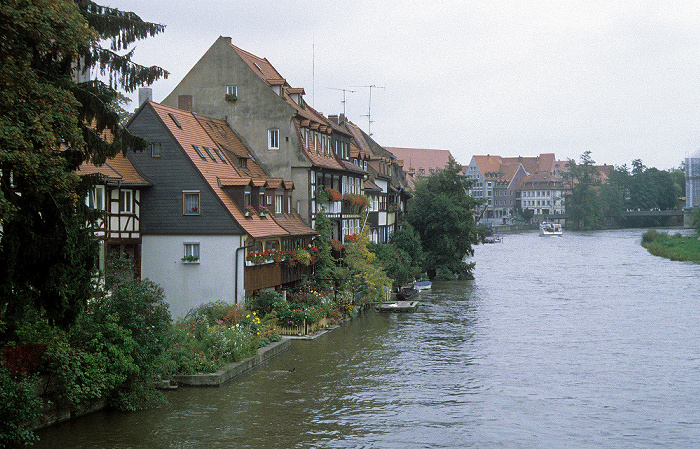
50,124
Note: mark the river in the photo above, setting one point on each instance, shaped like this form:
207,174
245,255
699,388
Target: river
578,341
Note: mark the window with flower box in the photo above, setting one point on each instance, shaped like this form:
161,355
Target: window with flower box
191,252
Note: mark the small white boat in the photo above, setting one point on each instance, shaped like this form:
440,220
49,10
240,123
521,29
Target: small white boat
550,228
422,285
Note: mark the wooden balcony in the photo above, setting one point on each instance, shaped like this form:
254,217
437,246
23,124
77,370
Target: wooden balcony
258,277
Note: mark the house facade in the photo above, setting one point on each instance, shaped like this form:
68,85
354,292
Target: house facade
289,139
209,208
117,196
543,193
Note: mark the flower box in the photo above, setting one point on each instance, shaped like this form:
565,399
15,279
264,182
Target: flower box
231,97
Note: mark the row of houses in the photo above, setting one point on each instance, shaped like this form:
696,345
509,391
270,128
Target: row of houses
238,168
509,184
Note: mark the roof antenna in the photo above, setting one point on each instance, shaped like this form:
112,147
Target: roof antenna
344,91
369,107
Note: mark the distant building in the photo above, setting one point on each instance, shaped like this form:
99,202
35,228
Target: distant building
420,161
692,181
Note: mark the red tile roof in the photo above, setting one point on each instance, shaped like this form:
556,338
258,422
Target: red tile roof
187,128
417,158
118,167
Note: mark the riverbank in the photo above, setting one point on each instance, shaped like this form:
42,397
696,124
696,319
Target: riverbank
676,247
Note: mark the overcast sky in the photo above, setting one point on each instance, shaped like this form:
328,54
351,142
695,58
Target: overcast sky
621,79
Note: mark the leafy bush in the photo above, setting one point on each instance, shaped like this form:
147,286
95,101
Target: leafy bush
653,235
19,405
264,302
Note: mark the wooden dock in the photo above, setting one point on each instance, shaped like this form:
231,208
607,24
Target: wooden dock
398,306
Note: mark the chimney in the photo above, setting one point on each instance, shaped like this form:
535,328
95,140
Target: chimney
184,102
333,118
145,94
227,39
342,119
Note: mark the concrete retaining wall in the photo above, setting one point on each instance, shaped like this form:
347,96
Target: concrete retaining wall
234,369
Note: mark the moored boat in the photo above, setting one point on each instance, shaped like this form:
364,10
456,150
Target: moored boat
550,228
422,285
406,293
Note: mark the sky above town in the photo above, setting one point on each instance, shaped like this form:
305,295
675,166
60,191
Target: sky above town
618,78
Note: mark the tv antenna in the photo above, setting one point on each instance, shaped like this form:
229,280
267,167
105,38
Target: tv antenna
369,107
344,91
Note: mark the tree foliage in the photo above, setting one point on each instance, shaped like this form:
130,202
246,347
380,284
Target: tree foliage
442,213
50,125
360,271
583,203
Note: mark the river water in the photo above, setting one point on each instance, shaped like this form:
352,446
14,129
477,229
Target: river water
584,340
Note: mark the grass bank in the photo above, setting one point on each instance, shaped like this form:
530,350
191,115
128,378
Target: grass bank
675,247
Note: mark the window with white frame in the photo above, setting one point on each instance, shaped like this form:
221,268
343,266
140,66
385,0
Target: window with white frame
96,198
126,201
278,204
273,139
191,251
190,202
232,90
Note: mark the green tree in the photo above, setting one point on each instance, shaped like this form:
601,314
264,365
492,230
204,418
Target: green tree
51,124
361,272
583,203
442,213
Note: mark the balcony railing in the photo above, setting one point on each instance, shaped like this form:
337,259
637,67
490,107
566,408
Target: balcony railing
270,275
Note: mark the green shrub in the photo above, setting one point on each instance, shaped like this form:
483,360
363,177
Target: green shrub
265,302
19,405
210,312
653,235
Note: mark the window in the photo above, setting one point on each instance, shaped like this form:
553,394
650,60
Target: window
191,252
96,198
155,149
242,162
190,202
261,199
210,154
246,198
278,204
199,152
232,90
126,201
172,116
273,139
221,156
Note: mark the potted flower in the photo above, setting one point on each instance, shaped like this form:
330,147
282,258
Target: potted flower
249,211
231,97
263,211
334,195
190,259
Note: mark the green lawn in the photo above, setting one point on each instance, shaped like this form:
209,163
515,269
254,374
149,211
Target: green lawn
675,247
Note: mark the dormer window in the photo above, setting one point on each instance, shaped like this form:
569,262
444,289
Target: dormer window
243,162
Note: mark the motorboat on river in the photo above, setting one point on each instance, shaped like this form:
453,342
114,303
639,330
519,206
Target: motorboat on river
550,228
422,285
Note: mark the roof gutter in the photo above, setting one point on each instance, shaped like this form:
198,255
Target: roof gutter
235,297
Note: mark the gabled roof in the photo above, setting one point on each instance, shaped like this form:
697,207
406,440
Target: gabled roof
188,130
260,66
118,168
417,158
370,185
539,177
316,157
